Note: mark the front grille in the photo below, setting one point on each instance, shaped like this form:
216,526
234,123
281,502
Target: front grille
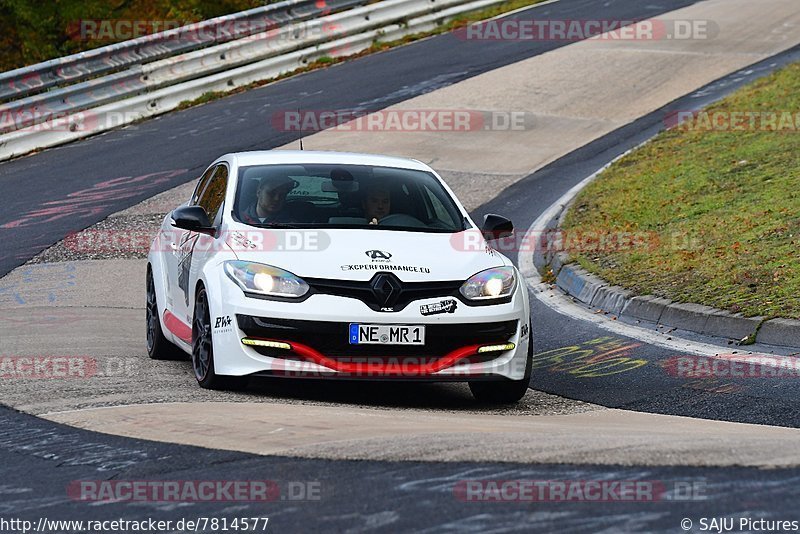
331,338
384,291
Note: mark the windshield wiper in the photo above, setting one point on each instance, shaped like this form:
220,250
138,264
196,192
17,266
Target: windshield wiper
278,225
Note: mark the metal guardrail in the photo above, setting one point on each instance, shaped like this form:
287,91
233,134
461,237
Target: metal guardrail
29,80
140,79
100,104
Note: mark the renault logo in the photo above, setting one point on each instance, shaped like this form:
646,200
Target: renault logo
386,289
378,255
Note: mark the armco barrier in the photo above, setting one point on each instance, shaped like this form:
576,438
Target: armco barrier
32,79
357,29
170,71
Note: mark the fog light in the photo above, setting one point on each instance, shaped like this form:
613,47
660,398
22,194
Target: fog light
265,343
496,348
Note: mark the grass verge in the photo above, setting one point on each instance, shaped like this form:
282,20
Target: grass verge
715,210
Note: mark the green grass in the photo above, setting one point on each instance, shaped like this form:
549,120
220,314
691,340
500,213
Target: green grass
722,206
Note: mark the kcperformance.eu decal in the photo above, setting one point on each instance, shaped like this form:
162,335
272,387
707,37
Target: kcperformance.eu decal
386,267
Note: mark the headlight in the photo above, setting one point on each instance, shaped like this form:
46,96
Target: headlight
490,284
265,279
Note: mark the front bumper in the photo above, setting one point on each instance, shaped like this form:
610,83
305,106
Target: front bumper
316,334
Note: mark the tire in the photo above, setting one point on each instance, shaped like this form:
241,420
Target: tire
505,391
158,346
203,349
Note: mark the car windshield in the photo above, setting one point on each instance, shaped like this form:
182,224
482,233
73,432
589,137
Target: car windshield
345,196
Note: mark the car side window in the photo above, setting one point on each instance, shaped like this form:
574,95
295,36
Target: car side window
201,185
213,195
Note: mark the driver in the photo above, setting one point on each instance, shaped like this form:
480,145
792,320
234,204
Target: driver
270,198
377,203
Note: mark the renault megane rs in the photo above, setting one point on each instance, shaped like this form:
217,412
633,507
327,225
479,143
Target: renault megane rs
336,265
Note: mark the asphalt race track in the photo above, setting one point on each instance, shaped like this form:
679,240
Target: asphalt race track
41,459
63,190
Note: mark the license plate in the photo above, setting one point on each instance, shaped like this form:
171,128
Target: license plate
386,334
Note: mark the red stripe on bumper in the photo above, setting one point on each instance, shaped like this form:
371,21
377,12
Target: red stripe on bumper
397,368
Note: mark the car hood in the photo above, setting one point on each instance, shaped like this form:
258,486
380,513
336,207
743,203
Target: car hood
344,254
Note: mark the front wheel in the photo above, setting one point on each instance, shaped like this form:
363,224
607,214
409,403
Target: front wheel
203,349
505,391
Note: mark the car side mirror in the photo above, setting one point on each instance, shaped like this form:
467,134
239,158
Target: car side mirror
496,227
192,218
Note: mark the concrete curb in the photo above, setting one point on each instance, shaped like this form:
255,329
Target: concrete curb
619,302
776,331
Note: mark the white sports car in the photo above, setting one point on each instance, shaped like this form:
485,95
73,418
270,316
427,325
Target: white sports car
336,265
